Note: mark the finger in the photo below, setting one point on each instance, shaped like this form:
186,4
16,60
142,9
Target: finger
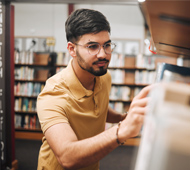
144,92
138,111
140,102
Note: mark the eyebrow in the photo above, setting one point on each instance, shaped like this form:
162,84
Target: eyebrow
93,42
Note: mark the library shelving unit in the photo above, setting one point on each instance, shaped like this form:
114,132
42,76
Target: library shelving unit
128,79
129,76
31,71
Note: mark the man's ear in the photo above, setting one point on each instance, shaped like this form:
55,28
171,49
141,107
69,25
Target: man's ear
71,49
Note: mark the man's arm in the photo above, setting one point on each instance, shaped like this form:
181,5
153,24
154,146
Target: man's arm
114,116
74,154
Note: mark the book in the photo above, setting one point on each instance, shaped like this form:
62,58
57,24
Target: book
121,93
169,72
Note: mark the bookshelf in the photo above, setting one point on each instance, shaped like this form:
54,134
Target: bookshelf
29,81
33,65
130,73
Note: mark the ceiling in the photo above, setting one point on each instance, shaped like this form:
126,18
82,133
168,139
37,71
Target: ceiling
120,2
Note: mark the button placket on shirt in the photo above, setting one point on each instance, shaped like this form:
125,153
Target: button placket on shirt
96,104
96,91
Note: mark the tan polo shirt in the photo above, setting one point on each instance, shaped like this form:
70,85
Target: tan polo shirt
65,100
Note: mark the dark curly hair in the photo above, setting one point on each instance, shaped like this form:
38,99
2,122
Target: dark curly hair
84,21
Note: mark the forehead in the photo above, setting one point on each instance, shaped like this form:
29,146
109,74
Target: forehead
100,37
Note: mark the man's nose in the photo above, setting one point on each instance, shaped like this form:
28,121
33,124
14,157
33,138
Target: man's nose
102,53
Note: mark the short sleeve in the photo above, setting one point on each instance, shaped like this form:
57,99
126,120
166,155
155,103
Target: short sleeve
50,108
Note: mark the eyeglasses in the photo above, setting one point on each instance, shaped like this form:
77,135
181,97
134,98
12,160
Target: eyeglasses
94,49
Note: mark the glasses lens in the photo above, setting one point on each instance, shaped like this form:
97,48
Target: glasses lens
109,47
93,49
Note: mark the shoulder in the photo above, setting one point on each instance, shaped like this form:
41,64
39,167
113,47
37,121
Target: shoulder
54,83
55,90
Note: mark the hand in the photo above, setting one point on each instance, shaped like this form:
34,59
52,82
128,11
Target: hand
132,124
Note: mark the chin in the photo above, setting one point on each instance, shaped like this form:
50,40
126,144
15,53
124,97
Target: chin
100,73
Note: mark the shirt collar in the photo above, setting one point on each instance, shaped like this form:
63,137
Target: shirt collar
75,86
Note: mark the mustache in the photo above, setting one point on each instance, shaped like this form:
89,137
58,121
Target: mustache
99,60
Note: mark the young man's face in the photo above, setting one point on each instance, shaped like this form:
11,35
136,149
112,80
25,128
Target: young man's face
92,60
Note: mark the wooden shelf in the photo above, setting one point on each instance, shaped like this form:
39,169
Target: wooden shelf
129,84
35,80
14,165
131,68
23,96
29,135
25,112
38,136
60,65
168,23
28,129
120,100
33,65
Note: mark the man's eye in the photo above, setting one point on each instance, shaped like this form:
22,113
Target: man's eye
93,46
107,45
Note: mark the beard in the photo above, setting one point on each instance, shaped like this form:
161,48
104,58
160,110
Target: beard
100,72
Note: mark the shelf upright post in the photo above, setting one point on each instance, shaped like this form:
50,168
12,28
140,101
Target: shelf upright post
7,147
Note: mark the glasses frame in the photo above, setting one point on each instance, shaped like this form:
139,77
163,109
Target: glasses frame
99,47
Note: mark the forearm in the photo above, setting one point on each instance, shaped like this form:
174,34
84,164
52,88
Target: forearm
114,116
83,153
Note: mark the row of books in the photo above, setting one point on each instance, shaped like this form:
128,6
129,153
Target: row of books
35,58
132,77
27,73
145,77
25,104
136,91
27,121
118,76
122,93
120,107
23,57
117,60
139,61
41,58
63,58
28,88
147,62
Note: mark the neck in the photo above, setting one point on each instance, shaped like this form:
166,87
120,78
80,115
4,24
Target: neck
86,78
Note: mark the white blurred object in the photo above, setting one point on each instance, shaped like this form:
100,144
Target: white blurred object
165,143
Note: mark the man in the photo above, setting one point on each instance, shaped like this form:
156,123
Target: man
73,106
